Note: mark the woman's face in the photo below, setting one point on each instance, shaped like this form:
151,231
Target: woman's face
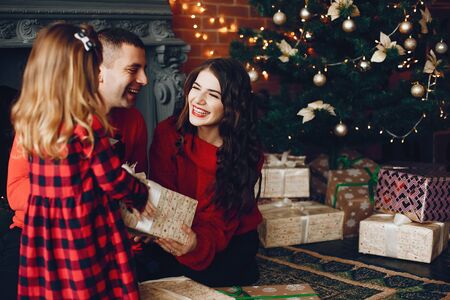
205,101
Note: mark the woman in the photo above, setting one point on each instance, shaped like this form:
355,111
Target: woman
211,152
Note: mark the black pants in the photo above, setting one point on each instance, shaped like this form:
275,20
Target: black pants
236,265
9,256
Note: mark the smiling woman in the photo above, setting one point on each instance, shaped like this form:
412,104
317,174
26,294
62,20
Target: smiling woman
210,152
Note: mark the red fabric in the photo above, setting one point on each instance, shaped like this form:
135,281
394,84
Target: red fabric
74,243
192,173
130,127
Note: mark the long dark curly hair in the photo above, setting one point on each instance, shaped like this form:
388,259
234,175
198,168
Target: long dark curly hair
238,157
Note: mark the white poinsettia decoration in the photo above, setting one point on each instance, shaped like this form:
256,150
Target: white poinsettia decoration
308,112
431,65
385,43
334,11
286,51
426,18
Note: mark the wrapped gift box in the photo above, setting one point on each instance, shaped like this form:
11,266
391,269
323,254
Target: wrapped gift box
284,175
379,235
290,223
348,191
320,169
178,288
172,210
421,194
290,291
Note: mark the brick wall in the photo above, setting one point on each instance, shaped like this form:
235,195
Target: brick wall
217,26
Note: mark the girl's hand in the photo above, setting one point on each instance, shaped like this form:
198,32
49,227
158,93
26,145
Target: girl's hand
177,249
149,210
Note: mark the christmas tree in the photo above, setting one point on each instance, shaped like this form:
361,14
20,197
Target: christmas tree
365,71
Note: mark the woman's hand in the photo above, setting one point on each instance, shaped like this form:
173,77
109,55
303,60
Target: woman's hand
177,249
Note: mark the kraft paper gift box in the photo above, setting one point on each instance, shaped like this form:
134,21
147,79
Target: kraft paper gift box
172,210
421,194
284,176
320,169
289,223
178,288
379,235
348,190
290,291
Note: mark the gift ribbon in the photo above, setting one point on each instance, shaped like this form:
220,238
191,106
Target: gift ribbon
371,184
391,230
346,162
286,161
240,294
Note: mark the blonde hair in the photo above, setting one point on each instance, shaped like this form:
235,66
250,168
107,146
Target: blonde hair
59,91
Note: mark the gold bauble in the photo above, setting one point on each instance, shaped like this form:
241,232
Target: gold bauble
340,129
348,25
253,75
417,90
305,15
279,18
441,47
319,79
410,44
405,27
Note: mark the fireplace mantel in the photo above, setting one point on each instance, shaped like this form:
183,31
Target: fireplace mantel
151,20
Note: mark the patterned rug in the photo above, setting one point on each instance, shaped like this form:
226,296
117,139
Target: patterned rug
336,278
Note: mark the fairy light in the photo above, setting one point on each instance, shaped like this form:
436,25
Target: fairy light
212,20
265,75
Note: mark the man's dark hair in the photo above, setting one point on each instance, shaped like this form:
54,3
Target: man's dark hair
112,40
117,36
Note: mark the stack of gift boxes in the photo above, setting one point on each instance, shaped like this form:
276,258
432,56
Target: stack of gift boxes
420,198
360,198
287,222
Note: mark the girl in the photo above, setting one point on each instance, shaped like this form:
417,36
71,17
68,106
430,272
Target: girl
210,152
74,243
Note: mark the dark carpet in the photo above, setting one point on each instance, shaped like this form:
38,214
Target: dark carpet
337,278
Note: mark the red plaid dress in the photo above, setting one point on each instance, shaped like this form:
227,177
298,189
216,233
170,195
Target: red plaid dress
74,244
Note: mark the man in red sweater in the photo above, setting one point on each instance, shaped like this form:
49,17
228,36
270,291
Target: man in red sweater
122,75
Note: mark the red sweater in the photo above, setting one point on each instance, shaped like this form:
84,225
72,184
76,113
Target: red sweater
129,122
193,174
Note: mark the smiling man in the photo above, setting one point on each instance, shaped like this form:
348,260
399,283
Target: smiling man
122,73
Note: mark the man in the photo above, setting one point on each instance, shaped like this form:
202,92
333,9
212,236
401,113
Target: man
122,75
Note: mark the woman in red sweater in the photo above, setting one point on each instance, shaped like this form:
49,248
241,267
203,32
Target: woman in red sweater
210,152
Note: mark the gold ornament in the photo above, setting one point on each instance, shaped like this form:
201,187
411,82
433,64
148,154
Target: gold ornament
410,44
308,36
253,75
305,15
279,18
364,65
441,47
405,27
340,129
417,90
319,79
348,25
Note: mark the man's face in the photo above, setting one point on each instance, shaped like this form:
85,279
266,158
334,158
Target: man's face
122,79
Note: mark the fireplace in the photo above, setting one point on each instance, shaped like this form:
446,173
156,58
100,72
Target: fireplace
149,19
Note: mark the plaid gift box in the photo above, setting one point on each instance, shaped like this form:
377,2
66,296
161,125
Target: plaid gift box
422,194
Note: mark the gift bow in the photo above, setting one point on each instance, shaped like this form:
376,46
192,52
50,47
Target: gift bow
273,161
346,162
371,183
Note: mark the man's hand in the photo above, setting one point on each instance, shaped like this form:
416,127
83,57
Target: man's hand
176,248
